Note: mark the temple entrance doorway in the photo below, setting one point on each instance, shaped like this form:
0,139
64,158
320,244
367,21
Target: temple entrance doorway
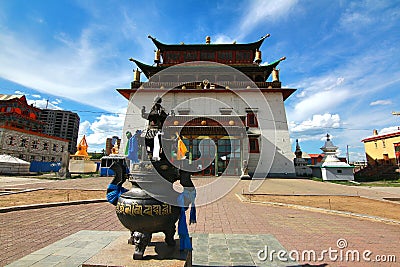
223,152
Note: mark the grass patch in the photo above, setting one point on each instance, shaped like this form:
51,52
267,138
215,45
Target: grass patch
383,183
353,204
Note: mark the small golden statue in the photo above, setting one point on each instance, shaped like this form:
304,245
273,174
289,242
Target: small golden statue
82,148
115,149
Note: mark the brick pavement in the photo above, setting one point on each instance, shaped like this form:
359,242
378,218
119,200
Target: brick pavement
23,232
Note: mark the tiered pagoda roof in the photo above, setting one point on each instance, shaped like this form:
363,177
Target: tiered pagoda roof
245,58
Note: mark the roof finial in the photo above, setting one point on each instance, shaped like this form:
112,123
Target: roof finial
266,36
208,39
328,137
298,151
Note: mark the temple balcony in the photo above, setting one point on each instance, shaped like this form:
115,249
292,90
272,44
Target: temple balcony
201,85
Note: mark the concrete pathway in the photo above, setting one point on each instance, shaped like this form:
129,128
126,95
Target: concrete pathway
24,232
209,250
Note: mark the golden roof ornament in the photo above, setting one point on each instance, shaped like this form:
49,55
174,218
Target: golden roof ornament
136,75
157,56
258,57
275,75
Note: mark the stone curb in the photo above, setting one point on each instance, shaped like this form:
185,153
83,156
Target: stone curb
334,212
48,205
21,191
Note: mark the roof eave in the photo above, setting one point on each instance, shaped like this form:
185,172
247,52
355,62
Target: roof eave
251,46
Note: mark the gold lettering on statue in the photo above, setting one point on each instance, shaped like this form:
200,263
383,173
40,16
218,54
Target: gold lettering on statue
157,209
127,209
148,209
166,209
137,209
120,207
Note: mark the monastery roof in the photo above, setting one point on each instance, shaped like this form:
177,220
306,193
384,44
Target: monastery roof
4,97
149,70
381,136
214,47
20,98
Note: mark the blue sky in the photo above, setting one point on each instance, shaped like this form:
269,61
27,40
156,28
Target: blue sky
342,56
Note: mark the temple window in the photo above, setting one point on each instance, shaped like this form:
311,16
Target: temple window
45,146
243,56
55,147
252,120
259,78
253,145
224,56
383,144
35,144
23,142
190,56
62,149
207,56
11,141
376,145
172,57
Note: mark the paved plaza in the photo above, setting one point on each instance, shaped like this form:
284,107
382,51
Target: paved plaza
221,225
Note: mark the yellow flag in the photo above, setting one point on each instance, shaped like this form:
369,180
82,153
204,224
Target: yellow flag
180,154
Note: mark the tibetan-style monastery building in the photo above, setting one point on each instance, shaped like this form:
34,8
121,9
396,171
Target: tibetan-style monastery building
221,104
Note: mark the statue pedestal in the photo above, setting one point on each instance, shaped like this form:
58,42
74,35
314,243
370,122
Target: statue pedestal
119,253
79,164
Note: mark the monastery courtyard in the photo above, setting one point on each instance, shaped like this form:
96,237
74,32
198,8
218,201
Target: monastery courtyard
220,225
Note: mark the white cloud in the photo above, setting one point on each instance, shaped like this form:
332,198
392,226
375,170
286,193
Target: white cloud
391,129
312,137
352,20
36,96
322,101
259,11
98,131
77,68
380,102
18,92
318,121
83,128
363,14
44,103
222,39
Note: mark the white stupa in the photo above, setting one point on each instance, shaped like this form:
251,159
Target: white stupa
330,167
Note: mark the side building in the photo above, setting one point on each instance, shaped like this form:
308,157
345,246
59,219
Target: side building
21,132
383,149
63,124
